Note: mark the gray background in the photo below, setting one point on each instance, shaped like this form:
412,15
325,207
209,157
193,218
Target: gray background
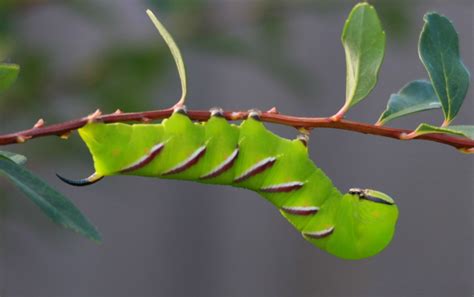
173,238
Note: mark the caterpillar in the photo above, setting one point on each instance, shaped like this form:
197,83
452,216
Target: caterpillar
354,225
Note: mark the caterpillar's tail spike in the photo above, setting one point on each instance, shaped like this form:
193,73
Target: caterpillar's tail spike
81,182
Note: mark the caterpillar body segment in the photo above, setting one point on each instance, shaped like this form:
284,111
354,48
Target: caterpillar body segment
248,156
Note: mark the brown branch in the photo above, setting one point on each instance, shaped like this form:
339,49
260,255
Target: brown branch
64,129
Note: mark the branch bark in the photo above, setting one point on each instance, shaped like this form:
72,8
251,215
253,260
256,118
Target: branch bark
65,128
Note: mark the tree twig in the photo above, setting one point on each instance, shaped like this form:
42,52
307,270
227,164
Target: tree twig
65,128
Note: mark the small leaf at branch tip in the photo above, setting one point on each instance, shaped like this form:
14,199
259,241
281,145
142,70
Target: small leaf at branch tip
92,117
39,124
22,139
273,110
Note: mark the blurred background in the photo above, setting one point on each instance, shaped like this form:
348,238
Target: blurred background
174,238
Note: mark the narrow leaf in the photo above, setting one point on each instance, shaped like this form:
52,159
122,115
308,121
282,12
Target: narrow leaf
18,159
462,131
439,51
8,75
364,45
174,51
414,97
57,207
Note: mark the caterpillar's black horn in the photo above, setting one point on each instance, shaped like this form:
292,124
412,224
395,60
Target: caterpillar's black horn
81,182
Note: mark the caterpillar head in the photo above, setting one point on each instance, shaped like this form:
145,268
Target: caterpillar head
364,224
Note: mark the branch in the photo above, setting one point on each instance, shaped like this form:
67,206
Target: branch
272,116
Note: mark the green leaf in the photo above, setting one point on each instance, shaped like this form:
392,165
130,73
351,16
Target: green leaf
414,97
18,159
439,51
57,207
174,51
467,130
364,44
463,131
8,75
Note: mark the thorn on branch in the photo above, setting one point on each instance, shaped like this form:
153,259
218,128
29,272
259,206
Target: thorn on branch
39,124
237,115
65,136
273,110
92,117
22,138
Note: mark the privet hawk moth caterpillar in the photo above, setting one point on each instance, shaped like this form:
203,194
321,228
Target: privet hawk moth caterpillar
355,225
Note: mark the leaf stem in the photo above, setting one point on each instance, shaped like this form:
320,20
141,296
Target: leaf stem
341,113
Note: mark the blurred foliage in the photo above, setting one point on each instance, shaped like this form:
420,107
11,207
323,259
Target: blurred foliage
123,77
126,75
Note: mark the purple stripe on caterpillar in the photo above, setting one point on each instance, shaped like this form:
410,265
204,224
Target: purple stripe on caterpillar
188,163
223,167
319,234
300,210
256,169
285,187
154,151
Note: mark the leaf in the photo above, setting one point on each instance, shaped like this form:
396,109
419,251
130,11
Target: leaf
364,45
8,75
18,159
463,131
57,207
174,51
439,51
414,97
467,130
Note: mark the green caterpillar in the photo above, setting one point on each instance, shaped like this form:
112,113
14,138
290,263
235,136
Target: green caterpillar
355,225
